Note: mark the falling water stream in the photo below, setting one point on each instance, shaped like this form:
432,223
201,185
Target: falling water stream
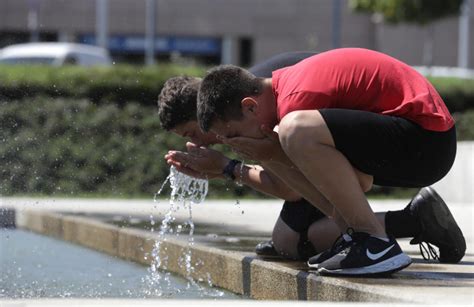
186,192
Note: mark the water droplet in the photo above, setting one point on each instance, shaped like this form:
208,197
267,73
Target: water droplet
185,192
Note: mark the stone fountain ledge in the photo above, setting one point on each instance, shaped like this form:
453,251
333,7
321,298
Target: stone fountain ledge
246,274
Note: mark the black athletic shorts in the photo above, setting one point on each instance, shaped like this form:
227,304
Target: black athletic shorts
299,215
396,151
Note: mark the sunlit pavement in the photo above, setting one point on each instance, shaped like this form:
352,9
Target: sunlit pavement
165,303
250,215
449,283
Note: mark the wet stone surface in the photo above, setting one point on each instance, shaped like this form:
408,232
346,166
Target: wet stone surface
221,236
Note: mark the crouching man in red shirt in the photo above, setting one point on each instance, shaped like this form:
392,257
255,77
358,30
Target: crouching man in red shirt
347,119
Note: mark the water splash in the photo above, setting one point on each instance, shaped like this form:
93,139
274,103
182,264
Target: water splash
238,180
186,191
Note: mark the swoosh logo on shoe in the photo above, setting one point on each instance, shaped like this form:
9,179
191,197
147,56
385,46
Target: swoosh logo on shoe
379,255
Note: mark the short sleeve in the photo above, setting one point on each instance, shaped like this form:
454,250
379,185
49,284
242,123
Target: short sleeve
303,100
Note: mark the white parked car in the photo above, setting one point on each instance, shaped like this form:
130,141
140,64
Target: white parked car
55,54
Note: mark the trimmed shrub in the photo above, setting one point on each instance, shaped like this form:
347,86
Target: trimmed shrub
73,130
118,84
458,94
121,83
75,147
72,146
465,125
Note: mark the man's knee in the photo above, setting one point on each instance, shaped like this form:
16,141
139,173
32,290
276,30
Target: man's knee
366,184
285,240
290,131
295,218
366,181
303,128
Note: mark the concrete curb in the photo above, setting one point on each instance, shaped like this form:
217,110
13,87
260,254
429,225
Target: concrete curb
235,271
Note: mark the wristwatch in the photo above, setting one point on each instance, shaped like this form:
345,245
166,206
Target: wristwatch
228,171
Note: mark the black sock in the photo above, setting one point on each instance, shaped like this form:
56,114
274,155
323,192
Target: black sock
402,223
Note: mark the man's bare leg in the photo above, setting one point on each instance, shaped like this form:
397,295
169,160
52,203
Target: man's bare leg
327,169
299,183
323,233
285,240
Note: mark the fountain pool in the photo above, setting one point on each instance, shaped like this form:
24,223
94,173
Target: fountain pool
35,266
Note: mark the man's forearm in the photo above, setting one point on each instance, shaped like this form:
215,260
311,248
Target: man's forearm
263,180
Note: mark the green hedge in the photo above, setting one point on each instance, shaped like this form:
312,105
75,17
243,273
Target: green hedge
458,94
81,131
75,147
465,125
68,146
121,84
118,84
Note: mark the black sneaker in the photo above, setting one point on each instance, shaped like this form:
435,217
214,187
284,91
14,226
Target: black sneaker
368,255
266,248
438,227
343,241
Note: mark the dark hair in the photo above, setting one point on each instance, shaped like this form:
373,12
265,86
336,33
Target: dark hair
221,93
177,101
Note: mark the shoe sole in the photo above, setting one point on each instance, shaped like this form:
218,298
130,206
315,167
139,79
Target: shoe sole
443,217
313,266
386,267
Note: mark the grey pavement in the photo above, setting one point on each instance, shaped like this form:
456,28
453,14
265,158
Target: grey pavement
444,283
252,215
164,303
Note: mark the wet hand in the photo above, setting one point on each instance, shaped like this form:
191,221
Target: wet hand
198,161
263,149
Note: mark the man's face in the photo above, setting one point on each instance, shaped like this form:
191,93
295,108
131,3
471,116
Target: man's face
245,127
249,125
191,131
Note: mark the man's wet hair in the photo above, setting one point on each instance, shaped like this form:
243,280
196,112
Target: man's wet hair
221,93
177,101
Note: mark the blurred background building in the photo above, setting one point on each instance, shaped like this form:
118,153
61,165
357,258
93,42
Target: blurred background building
240,32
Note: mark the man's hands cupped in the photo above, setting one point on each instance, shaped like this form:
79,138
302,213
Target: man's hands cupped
263,149
198,162
205,163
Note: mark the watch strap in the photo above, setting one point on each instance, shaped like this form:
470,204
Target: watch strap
229,169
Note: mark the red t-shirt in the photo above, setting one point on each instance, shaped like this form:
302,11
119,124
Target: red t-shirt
360,79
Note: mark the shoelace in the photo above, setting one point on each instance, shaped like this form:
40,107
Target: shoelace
343,239
427,251
430,251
